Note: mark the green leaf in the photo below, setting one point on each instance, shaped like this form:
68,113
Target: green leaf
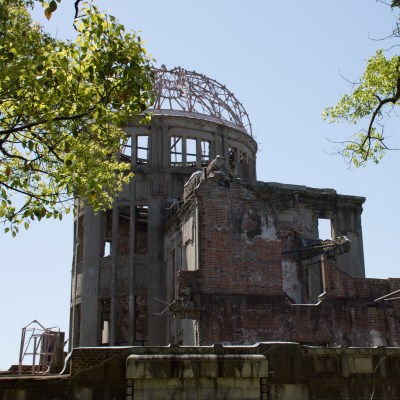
71,94
48,13
53,6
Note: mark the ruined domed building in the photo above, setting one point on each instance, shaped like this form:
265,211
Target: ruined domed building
121,285
204,283
196,251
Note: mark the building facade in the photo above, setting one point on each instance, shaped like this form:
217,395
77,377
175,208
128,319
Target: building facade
119,292
195,251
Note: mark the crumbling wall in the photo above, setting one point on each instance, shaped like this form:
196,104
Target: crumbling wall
255,277
273,370
239,251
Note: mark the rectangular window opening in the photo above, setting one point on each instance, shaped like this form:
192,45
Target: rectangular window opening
79,238
176,151
141,229
126,149
325,230
105,333
314,282
141,320
122,320
107,249
142,149
77,325
232,158
105,322
205,152
124,226
244,163
191,147
107,233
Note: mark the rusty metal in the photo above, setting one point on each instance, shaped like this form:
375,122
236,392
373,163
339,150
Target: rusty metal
191,92
37,343
387,297
317,247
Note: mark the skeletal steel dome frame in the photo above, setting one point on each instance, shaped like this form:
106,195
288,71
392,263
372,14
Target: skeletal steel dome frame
191,92
121,257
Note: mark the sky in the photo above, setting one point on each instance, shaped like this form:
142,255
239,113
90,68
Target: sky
285,61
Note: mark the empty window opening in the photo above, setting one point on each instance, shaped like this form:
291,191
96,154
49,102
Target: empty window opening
122,321
141,322
107,233
191,147
244,164
105,322
205,152
176,151
107,249
325,229
124,224
142,149
232,158
126,149
79,239
141,229
314,282
77,325
105,333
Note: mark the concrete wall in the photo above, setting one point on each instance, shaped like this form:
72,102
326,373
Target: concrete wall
252,285
119,290
273,370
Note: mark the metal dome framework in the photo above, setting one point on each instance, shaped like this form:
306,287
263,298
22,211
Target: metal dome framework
191,92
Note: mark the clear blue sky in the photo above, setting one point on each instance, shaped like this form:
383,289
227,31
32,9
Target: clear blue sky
283,61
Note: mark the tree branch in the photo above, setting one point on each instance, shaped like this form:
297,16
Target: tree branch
57,119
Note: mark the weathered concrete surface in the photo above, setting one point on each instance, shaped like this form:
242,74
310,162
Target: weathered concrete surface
199,376
274,370
118,279
260,275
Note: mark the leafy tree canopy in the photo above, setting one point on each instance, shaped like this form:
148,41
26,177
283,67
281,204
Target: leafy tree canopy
62,105
375,97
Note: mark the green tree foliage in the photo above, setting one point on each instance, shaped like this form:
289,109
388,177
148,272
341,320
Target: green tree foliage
375,97
62,106
51,7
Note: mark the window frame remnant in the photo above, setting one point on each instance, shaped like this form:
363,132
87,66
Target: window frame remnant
105,325
322,223
191,157
125,151
176,153
124,228
232,151
141,229
107,243
244,164
205,152
141,319
107,248
142,149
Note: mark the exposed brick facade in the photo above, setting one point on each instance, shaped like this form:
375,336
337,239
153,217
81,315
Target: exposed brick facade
252,285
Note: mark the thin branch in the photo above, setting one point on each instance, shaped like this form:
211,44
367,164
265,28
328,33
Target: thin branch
33,124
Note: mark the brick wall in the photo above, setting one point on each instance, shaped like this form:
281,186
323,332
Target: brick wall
238,290
287,371
239,252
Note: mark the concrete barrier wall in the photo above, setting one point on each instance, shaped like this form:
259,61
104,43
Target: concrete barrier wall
273,370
